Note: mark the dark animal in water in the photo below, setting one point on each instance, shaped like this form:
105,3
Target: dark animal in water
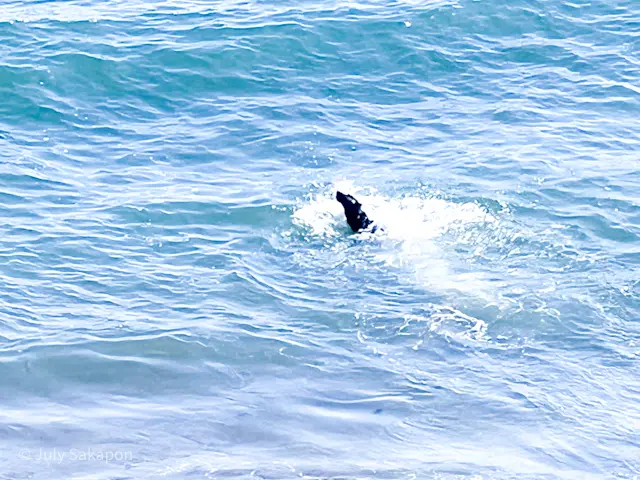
356,218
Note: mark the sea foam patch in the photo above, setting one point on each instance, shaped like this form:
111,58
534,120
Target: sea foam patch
420,235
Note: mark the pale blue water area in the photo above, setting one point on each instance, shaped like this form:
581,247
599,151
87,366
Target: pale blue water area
181,296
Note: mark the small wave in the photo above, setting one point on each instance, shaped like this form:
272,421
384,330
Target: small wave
451,323
442,320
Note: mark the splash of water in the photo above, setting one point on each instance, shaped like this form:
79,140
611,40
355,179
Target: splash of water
421,232
405,218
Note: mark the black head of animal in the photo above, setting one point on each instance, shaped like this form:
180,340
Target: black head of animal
356,218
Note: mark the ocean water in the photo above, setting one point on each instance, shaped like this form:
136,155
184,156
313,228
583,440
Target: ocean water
182,298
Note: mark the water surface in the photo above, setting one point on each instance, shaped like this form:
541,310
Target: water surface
181,297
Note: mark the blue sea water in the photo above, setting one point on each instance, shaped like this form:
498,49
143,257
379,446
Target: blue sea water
181,296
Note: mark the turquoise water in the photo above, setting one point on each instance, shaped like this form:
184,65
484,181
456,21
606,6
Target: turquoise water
181,296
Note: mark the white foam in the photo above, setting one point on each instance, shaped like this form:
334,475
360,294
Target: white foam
449,322
414,232
405,218
320,216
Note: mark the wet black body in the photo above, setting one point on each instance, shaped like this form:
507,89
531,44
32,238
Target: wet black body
356,218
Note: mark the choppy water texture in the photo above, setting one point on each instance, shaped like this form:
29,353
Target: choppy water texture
182,298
